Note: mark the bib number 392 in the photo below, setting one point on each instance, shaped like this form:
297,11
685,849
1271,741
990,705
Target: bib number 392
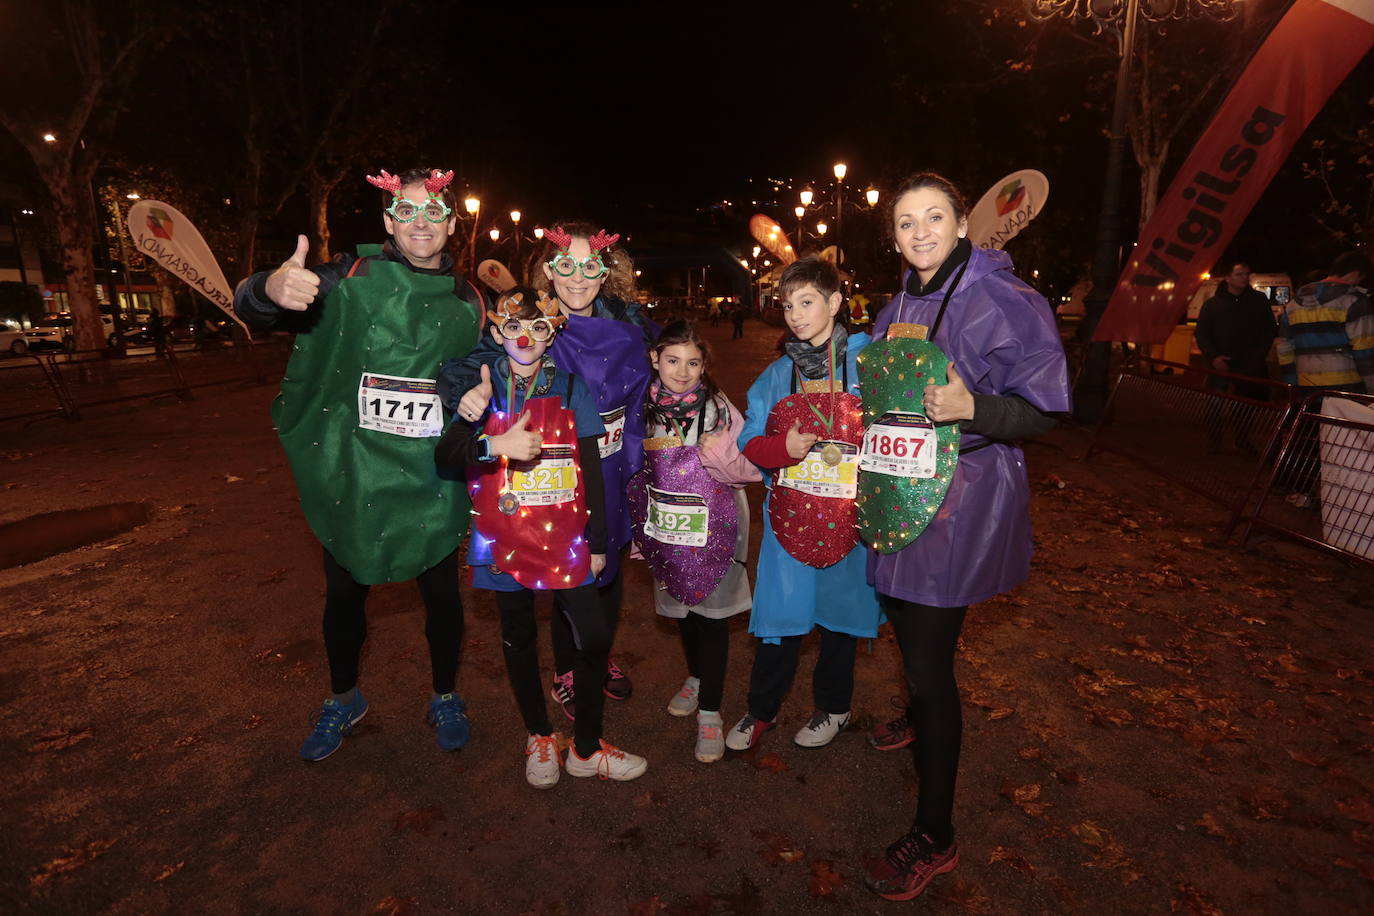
900,445
400,406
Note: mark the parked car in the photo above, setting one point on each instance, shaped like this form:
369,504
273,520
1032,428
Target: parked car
56,333
12,340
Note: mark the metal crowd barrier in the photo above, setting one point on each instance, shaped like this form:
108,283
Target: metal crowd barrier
1261,449
29,390
1210,432
1320,490
219,363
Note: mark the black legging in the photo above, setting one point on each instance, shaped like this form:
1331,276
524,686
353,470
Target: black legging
345,622
927,637
560,633
832,681
706,643
592,640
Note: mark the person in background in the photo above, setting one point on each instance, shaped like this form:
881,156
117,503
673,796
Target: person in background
1235,330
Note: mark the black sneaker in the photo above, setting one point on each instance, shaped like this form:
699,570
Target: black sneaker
618,685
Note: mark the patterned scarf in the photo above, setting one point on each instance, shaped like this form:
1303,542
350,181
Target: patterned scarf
669,404
814,362
543,379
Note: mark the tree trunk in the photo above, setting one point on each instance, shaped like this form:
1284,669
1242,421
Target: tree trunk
73,213
321,187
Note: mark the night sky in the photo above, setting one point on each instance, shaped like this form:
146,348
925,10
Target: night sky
647,117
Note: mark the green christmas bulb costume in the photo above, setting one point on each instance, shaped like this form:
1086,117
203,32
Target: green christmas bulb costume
352,419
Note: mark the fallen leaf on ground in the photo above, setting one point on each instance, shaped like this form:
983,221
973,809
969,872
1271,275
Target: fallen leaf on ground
824,879
169,870
396,906
1309,758
59,741
1012,858
1211,825
770,762
420,820
70,862
1363,869
960,893
1189,899
1357,809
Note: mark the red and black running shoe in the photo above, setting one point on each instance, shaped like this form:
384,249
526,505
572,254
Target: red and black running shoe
909,865
894,734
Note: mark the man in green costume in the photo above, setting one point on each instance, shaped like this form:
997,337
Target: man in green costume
358,416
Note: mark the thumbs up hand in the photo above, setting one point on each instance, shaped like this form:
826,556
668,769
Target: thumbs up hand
798,442
291,286
518,442
948,402
474,402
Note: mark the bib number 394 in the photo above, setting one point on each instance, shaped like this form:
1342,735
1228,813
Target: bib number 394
900,445
817,477
400,406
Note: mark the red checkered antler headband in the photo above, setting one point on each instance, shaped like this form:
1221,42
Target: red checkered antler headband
437,181
388,182
561,240
602,240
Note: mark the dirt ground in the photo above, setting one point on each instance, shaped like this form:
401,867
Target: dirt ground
1156,722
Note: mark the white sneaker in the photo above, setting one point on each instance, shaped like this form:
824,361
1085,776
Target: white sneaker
710,737
541,761
746,733
610,762
685,703
822,729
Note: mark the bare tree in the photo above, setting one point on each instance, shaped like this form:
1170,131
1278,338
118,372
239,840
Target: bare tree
75,61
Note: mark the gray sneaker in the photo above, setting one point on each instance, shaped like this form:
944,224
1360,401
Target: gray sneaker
685,702
822,729
710,737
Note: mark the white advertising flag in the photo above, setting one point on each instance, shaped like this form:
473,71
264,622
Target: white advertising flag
1007,208
163,234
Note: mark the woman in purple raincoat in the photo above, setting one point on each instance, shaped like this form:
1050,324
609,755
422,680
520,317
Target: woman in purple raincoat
1007,375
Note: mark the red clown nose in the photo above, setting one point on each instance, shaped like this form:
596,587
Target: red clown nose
523,341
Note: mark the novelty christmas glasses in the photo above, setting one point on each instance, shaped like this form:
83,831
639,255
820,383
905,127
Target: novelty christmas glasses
403,210
565,265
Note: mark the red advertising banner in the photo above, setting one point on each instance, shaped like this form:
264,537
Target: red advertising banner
1289,79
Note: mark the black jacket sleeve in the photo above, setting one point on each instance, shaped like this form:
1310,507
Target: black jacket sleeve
252,304
1206,333
457,376
1006,417
594,489
457,447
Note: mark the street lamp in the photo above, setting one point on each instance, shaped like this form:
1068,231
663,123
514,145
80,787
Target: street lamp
515,218
821,228
539,233
806,197
474,206
840,170
1119,17
871,195
757,249
49,138
495,235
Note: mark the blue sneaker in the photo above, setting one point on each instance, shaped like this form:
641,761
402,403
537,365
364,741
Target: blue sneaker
332,723
448,715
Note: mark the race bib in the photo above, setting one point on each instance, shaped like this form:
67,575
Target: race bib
550,481
400,406
676,518
900,445
813,475
612,440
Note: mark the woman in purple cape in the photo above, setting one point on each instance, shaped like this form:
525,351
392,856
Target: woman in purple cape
1007,376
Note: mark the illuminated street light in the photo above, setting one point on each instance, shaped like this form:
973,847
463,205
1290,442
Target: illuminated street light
495,235
743,262
515,217
472,204
821,228
800,211
806,197
757,249
132,195
538,232
872,195
49,138
840,169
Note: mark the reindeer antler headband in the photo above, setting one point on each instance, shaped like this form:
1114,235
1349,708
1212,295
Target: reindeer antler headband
509,304
434,184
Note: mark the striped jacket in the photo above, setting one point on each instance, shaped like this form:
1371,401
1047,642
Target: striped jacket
1326,338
